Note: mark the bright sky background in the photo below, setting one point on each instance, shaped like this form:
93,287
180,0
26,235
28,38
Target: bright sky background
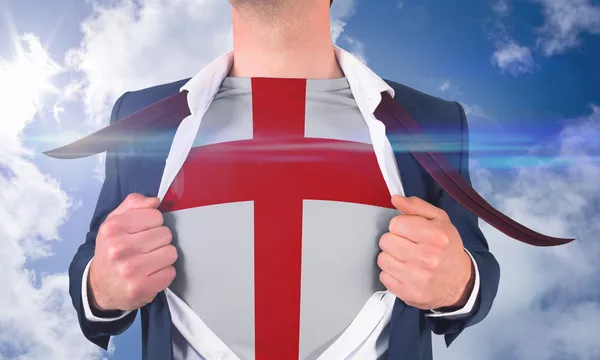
527,72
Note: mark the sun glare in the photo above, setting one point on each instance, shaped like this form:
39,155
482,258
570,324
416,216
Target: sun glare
24,80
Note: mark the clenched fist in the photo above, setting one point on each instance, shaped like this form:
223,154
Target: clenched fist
423,261
133,259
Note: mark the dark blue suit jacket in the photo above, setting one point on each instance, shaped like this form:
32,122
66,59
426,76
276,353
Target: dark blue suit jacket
410,330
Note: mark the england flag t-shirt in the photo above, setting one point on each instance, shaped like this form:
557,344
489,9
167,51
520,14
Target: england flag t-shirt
277,213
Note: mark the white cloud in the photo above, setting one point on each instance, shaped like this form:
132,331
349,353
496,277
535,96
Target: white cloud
547,306
444,86
356,47
509,55
473,110
57,110
514,58
565,22
500,7
128,45
37,321
341,11
449,90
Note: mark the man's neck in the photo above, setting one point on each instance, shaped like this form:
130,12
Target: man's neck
279,45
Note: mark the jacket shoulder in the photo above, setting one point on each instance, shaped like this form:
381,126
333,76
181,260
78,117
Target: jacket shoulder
132,101
426,109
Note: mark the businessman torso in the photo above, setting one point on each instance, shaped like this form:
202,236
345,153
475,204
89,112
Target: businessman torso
140,171
141,167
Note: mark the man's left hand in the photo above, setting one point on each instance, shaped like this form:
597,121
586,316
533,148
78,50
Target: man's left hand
423,260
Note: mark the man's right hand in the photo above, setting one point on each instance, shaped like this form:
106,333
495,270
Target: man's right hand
133,260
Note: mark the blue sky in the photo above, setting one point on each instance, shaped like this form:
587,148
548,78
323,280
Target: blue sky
526,72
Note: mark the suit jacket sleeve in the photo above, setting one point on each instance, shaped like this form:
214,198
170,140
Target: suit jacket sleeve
475,242
110,197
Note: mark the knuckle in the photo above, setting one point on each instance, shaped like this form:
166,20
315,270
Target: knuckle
132,197
430,259
125,269
442,239
132,291
114,252
443,215
432,262
108,228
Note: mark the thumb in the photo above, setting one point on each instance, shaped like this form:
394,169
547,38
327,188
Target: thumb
135,201
418,207
400,203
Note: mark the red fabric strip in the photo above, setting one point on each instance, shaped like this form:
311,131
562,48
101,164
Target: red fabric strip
278,112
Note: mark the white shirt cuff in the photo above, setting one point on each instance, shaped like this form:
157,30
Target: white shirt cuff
86,302
470,302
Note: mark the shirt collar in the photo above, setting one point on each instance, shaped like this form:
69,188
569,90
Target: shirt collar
366,86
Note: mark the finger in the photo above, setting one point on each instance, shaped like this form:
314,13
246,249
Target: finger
395,286
400,248
392,267
419,207
161,279
135,201
126,245
403,285
150,240
137,220
421,255
146,289
158,259
401,290
413,227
